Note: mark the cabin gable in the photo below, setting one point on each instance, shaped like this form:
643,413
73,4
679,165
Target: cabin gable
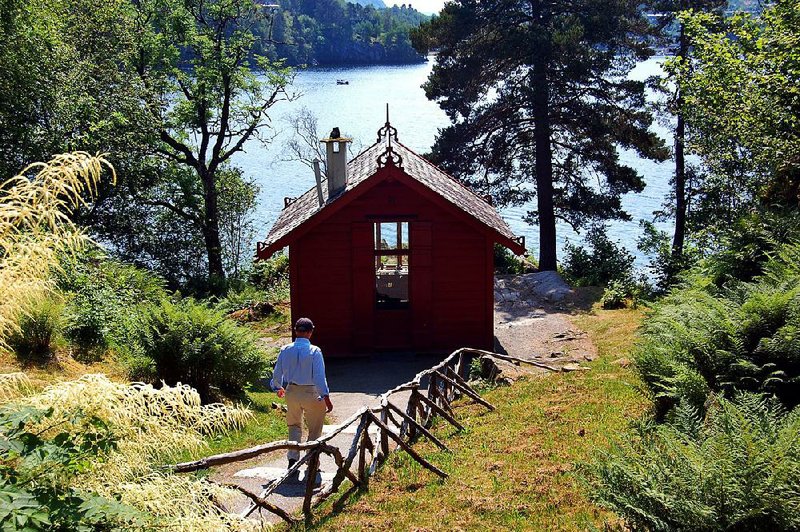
398,256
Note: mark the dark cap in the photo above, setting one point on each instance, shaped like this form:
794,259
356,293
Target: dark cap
304,325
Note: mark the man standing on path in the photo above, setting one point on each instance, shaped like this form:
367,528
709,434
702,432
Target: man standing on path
299,375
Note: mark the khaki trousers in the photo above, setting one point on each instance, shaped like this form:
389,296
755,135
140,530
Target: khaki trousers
300,400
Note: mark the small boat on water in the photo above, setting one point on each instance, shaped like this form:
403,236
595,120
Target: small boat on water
342,82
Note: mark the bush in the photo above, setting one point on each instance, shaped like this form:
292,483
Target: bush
89,455
190,343
272,277
505,262
621,294
598,262
745,336
103,300
736,468
39,325
743,249
267,273
246,296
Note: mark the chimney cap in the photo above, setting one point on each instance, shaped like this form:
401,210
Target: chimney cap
336,136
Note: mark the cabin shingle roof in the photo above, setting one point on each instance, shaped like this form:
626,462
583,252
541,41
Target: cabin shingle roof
365,165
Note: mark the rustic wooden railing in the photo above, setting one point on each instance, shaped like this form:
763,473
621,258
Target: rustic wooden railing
445,382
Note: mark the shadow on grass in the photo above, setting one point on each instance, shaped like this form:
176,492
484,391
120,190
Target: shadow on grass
582,300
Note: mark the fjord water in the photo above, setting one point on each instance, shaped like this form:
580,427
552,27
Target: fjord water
358,109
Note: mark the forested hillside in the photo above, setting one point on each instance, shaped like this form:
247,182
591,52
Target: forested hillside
373,3
330,32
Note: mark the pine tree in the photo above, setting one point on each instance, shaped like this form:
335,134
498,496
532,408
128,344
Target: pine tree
538,94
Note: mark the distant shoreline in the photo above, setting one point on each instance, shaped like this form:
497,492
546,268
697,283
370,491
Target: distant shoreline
355,64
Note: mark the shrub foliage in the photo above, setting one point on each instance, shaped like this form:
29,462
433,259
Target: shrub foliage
32,467
189,342
102,301
736,468
599,262
39,325
89,455
744,336
271,274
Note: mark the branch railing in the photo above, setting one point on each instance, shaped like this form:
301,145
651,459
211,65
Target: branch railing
445,382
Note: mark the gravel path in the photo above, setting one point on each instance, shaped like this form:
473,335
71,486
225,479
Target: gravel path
531,322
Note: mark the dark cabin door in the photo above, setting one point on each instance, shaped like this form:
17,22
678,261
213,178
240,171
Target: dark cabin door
391,285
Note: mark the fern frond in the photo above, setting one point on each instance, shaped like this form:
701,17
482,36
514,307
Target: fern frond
739,472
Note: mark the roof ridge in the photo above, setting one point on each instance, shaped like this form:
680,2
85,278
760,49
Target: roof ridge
362,152
453,179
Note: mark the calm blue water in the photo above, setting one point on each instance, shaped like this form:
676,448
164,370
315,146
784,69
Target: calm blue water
358,109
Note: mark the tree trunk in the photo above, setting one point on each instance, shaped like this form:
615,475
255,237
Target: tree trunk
544,166
680,165
216,273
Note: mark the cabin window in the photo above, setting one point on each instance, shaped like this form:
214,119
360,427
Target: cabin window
391,265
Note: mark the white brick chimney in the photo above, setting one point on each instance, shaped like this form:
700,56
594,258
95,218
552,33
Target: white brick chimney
336,151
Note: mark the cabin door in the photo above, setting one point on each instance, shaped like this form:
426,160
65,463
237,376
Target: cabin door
391,285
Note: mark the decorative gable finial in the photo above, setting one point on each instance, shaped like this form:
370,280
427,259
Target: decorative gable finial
387,130
389,156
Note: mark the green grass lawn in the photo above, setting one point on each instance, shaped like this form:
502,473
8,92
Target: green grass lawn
513,468
266,425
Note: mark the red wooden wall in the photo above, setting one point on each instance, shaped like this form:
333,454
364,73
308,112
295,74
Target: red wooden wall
451,274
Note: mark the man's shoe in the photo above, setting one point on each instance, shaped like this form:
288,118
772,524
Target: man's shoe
295,476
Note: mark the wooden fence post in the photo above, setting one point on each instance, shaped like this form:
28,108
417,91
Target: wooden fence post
384,436
311,478
363,477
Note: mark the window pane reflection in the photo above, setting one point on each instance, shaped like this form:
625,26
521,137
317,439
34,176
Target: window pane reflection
391,265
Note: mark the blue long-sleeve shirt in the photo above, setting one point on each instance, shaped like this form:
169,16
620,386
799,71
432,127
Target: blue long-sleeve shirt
300,363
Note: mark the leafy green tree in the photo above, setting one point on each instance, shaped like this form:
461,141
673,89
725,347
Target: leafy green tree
61,85
330,32
740,91
209,94
238,200
540,102
669,24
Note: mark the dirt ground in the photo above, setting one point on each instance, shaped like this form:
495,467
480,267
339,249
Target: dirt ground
531,320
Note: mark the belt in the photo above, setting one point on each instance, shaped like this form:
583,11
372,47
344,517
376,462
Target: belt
295,384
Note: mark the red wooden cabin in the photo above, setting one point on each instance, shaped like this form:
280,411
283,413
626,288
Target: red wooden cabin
393,254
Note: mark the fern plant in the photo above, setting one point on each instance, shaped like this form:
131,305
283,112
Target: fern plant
191,343
745,336
736,468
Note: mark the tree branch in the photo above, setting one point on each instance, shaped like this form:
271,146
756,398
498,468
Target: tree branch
177,210
190,159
